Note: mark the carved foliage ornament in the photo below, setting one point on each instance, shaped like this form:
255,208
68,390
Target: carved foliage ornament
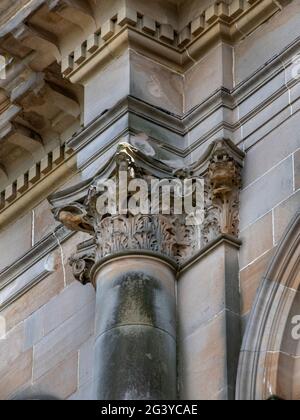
166,235
223,183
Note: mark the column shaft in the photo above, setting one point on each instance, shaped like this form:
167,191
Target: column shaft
135,347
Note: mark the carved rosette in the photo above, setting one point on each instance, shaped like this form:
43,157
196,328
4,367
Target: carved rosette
164,235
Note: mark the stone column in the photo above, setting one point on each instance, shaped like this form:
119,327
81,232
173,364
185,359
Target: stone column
133,259
135,349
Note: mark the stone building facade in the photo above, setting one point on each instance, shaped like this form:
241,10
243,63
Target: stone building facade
134,306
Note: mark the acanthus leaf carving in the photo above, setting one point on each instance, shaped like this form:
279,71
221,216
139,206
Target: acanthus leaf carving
165,235
223,184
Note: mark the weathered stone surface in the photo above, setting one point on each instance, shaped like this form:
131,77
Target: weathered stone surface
257,240
137,363
135,350
291,340
58,310
268,191
207,292
271,150
268,118
60,382
63,341
136,291
297,169
35,298
283,214
11,347
250,279
156,84
113,82
43,221
84,393
34,330
203,361
203,290
15,240
208,75
74,298
267,41
15,375
288,368
86,363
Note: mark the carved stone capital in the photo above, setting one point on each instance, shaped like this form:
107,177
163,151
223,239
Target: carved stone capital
223,184
168,236
83,260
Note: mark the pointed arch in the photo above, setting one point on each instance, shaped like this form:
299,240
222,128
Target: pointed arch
270,356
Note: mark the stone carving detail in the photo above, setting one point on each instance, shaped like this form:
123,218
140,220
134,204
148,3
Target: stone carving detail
222,187
75,218
83,261
166,235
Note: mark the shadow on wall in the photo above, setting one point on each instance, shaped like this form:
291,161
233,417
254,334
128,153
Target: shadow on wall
31,396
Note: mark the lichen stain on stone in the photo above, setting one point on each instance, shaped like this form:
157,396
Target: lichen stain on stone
137,298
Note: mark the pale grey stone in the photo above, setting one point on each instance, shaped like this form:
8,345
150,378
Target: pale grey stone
107,88
34,330
85,393
266,120
267,41
155,84
211,73
74,298
271,150
262,196
15,241
262,94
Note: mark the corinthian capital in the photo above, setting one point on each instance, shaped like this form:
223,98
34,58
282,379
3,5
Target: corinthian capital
121,211
224,182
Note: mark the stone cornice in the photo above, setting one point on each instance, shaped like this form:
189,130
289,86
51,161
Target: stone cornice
177,124
155,39
36,184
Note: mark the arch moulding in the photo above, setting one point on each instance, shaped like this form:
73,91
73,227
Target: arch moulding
270,354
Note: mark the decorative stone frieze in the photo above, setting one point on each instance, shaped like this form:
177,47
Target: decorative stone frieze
169,236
